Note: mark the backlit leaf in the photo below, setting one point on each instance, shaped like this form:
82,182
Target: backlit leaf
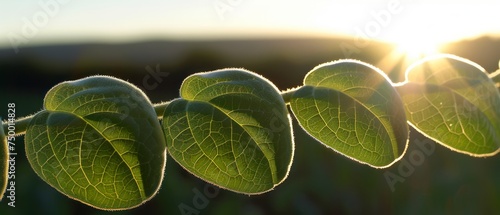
351,107
4,165
454,102
98,141
231,128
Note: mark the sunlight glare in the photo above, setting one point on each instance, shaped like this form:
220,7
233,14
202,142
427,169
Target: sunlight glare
407,49
413,48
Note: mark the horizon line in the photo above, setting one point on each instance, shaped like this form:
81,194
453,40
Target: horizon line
219,38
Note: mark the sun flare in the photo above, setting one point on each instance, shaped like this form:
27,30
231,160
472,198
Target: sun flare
408,49
414,48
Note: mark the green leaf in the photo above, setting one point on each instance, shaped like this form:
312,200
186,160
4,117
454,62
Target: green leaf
98,141
352,108
452,101
4,158
231,128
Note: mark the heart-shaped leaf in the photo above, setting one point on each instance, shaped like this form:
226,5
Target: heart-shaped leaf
231,128
4,158
351,107
98,141
453,101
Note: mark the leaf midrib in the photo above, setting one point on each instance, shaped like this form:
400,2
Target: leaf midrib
57,108
456,94
272,167
142,191
393,139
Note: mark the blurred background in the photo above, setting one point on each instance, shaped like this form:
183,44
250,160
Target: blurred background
156,44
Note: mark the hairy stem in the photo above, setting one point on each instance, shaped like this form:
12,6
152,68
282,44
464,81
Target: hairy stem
287,94
160,108
19,126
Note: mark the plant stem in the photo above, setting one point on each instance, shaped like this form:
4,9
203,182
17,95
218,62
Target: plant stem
160,108
287,94
19,125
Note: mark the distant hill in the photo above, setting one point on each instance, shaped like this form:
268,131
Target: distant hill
484,50
148,52
283,61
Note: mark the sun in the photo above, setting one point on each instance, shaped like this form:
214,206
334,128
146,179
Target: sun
416,48
408,49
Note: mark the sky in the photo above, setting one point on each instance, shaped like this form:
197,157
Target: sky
30,22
